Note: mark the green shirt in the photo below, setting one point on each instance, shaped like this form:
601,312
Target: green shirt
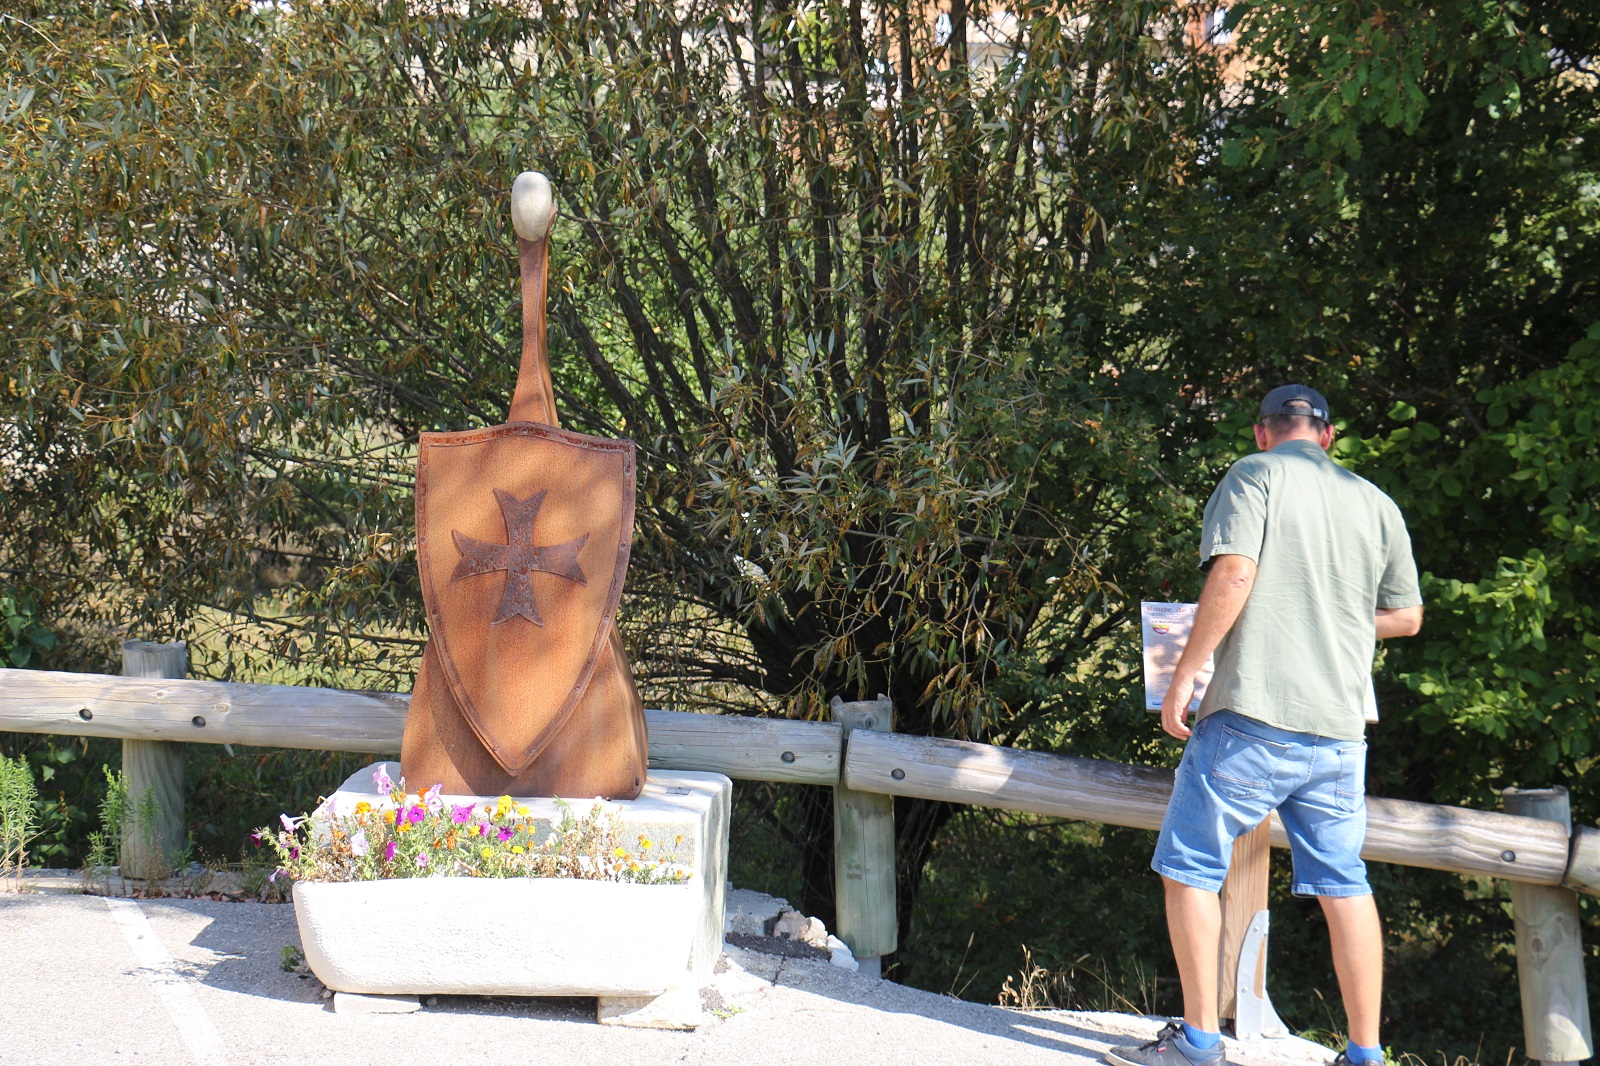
1330,549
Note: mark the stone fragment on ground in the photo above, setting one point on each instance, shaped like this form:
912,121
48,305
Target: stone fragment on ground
767,924
357,1003
676,1008
753,913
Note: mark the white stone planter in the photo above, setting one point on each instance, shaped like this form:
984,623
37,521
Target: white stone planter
624,943
481,936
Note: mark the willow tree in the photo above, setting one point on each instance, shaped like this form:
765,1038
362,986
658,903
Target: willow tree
843,284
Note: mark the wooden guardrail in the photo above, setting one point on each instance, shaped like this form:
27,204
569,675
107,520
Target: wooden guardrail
1526,850
1404,833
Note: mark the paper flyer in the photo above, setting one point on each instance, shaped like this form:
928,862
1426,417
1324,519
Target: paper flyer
1166,630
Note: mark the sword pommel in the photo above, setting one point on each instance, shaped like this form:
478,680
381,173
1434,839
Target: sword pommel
533,205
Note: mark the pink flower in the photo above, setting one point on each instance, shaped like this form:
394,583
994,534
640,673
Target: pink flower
291,824
358,843
416,814
460,814
483,829
507,833
380,777
422,860
255,838
388,852
431,798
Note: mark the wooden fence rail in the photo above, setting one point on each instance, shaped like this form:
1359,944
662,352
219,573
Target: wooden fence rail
1407,834
1457,839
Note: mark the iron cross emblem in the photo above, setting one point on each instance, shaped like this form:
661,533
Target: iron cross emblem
519,557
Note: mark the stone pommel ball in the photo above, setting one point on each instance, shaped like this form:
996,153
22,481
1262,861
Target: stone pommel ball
533,205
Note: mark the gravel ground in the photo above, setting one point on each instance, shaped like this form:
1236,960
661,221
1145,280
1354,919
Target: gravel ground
87,979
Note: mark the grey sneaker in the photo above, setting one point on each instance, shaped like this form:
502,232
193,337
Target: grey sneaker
1169,1048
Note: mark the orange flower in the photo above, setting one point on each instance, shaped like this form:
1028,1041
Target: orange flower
388,816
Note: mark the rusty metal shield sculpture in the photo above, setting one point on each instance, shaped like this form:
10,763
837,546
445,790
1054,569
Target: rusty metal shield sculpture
523,532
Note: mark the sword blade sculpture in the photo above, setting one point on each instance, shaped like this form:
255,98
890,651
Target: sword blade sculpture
523,533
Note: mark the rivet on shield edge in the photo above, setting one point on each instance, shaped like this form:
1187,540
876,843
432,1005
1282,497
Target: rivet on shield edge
898,774
787,756
86,714
198,719
1508,856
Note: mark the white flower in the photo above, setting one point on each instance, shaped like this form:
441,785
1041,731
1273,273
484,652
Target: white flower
358,843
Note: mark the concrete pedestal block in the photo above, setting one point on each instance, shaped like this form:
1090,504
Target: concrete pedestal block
532,936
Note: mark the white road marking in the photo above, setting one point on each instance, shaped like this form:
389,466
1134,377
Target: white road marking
191,1019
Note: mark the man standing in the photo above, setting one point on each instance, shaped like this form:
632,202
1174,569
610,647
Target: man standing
1307,566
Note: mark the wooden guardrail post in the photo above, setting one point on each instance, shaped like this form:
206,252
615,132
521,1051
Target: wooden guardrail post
1242,989
1555,1001
154,831
863,851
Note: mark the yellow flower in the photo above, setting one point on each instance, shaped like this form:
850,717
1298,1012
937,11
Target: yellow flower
487,853
645,843
501,806
517,849
388,816
620,853
363,807
522,811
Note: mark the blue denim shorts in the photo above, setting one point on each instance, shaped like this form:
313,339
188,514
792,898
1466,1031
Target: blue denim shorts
1235,771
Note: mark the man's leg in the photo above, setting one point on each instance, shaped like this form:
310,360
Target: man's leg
1357,938
1194,922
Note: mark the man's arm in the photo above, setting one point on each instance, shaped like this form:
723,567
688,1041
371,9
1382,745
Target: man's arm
1228,585
1399,621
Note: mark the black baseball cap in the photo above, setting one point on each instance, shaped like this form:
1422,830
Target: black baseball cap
1294,400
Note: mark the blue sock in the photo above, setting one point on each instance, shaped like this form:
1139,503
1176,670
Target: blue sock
1201,1039
1358,1054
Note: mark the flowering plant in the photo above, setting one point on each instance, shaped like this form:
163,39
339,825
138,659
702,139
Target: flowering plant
424,835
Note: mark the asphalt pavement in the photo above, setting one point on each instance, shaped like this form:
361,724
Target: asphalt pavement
92,979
